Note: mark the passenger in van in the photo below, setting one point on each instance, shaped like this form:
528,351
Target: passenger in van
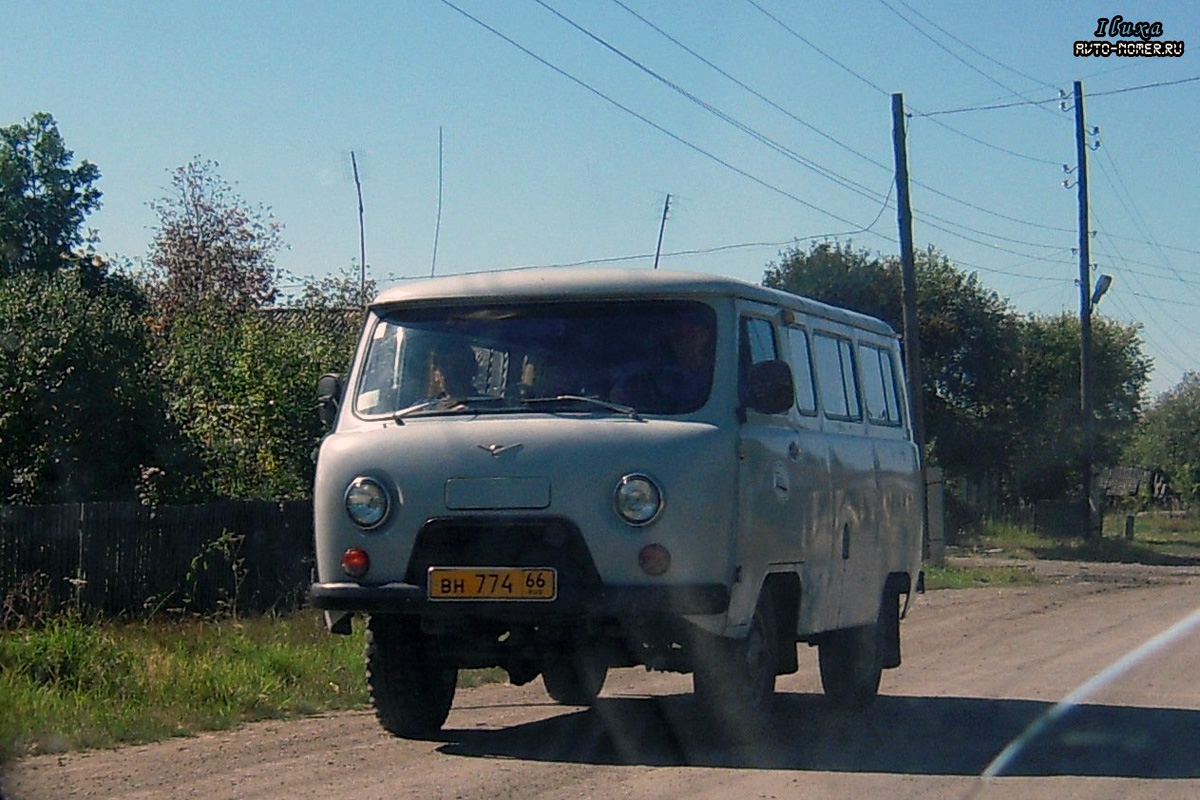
451,372
679,382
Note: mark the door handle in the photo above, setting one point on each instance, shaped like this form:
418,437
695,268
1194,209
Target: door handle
793,451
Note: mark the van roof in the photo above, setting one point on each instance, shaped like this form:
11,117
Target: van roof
557,283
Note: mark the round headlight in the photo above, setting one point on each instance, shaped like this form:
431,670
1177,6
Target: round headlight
638,499
366,503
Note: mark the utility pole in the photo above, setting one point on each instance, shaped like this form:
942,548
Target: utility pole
908,298
1085,320
662,226
908,291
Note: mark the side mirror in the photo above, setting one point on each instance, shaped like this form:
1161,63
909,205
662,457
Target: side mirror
329,398
770,387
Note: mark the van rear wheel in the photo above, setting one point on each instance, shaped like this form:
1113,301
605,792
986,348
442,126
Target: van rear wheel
851,665
411,686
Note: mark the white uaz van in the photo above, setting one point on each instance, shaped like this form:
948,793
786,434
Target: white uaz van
561,471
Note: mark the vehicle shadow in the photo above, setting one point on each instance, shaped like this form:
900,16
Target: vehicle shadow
903,735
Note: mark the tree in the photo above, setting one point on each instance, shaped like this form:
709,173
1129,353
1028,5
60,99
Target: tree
43,200
210,249
344,290
1168,437
81,408
1001,392
1049,444
968,343
243,391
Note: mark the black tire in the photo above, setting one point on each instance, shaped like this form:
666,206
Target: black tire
574,681
737,677
851,665
411,688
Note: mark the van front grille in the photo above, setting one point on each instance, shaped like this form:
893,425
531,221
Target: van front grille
506,542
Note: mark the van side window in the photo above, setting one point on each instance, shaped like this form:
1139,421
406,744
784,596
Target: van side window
756,344
802,377
879,385
835,374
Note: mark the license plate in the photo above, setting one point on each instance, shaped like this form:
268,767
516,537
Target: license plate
492,583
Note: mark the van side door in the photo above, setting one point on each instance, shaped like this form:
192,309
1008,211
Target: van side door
851,476
764,486
810,498
896,458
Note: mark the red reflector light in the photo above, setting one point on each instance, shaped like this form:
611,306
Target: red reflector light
355,562
654,559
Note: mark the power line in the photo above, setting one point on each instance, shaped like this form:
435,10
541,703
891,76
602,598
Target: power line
884,92
1158,85
751,90
976,50
951,53
992,146
1134,212
675,137
1140,297
828,174
841,180
992,107
1059,99
823,134
827,56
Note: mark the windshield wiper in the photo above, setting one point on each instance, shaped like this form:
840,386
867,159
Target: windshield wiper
628,411
444,404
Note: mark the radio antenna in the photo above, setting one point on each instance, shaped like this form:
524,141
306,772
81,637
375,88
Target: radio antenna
362,236
437,228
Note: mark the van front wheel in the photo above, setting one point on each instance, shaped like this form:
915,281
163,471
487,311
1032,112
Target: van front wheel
411,687
575,680
851,665
738,676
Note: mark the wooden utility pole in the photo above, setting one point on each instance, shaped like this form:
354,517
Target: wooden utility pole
1090,530
662,227
908,291
908,298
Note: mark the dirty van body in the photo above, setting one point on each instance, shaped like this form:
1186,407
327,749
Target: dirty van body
561,471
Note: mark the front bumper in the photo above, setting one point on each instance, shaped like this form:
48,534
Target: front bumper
614,602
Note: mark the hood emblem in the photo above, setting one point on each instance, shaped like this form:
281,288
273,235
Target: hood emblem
497,450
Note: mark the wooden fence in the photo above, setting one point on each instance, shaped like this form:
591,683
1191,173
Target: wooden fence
130,559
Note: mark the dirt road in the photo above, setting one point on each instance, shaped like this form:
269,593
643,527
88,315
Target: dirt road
980,666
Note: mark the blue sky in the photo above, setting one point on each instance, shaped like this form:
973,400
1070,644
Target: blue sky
539,168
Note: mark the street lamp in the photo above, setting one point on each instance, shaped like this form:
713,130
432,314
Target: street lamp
1102,285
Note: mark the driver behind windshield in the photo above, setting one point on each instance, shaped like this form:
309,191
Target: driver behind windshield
678,381
451,372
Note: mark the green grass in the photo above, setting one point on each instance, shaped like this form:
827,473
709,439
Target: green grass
1158,540
70,685
955,577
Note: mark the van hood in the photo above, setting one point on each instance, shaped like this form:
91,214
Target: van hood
566,466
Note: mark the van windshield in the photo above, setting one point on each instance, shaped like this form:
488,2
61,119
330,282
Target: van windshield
653,357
